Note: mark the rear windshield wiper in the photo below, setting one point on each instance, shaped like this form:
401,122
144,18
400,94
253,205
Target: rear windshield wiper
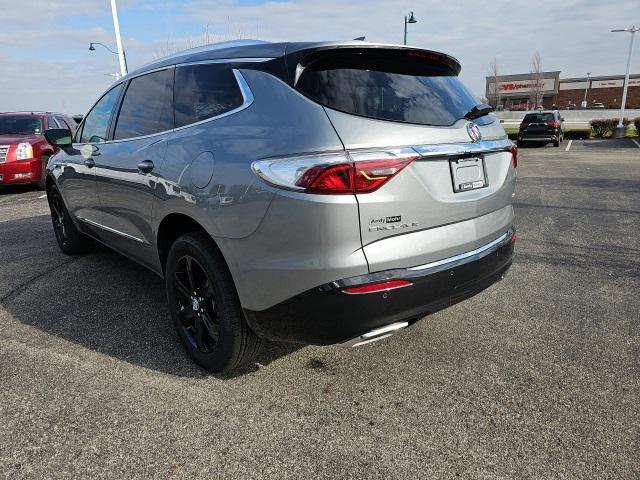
478,111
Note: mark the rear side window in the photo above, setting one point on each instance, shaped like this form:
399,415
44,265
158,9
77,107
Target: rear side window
393,87
205,91
538,117
147,107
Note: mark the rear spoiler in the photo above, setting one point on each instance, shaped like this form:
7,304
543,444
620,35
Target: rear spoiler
300,57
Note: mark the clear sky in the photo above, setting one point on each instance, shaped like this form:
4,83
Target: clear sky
46,63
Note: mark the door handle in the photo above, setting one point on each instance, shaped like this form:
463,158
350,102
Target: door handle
145,166
90,163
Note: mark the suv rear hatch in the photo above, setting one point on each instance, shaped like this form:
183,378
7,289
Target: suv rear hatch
455,195
538,125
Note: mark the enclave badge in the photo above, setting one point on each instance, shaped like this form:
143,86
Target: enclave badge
474,132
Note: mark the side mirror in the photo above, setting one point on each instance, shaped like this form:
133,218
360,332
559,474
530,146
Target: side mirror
59,137
562,119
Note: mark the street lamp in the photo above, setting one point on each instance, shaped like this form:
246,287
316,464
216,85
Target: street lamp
586,89
620,129
92,48
409,19
116,29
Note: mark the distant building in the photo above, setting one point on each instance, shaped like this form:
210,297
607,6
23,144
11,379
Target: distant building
515,91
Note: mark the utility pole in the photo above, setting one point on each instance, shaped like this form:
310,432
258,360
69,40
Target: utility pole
586,89
116,27
621,129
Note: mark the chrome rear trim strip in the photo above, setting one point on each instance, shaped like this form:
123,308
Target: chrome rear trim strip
450,149
462,256
112,230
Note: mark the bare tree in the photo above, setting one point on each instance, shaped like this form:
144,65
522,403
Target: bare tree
494,94
537,80
172,46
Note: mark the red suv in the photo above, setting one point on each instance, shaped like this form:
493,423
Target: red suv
24,151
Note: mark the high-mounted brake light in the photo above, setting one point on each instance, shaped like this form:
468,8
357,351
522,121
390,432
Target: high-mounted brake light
339,173
377,287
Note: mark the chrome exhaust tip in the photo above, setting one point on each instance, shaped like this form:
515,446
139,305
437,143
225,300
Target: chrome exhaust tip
376,334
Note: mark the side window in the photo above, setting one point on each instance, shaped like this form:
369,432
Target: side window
62,123
96,123
205,91
147,106
52,123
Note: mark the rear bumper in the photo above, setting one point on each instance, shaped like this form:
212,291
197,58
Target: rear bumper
21,171
325,315
539,137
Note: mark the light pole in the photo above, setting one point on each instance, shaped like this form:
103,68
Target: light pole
92,49
620,129
409,19
586,89
116,28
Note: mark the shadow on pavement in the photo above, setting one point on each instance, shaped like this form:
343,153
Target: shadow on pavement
17,189
107,303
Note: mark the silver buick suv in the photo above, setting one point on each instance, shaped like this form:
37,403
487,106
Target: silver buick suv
310,192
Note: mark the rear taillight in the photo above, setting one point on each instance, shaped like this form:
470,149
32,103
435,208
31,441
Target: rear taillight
514,156
553,124
524,125
338,173
377,287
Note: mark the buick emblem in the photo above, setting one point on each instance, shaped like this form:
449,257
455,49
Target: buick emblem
474,132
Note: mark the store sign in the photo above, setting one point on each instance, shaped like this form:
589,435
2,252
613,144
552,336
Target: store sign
633,82
525,86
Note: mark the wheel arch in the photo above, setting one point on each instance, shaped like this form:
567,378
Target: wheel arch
173,226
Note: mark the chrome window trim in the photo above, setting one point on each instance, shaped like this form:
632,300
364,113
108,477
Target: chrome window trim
146,72
451,149
247,97
112,230
464,256
227,60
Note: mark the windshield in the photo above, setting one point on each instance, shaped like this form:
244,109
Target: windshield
20,125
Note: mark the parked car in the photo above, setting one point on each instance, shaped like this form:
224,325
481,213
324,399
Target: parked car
24,151
309,192
597,106
542,127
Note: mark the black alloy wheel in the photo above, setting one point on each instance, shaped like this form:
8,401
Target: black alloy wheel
58,217
205,307
70,240
196,304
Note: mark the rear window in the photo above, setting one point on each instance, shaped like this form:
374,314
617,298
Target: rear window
205,91
396,88
538,117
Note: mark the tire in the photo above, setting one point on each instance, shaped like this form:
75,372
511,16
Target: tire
519,143
210,323
42,183
70,240
556,143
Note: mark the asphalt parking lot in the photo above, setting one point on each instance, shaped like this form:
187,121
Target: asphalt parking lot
536,377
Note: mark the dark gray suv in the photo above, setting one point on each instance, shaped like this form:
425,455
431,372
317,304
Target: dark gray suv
310,192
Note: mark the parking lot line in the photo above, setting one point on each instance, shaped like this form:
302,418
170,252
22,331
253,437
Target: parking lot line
43,196
634,141
568,146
